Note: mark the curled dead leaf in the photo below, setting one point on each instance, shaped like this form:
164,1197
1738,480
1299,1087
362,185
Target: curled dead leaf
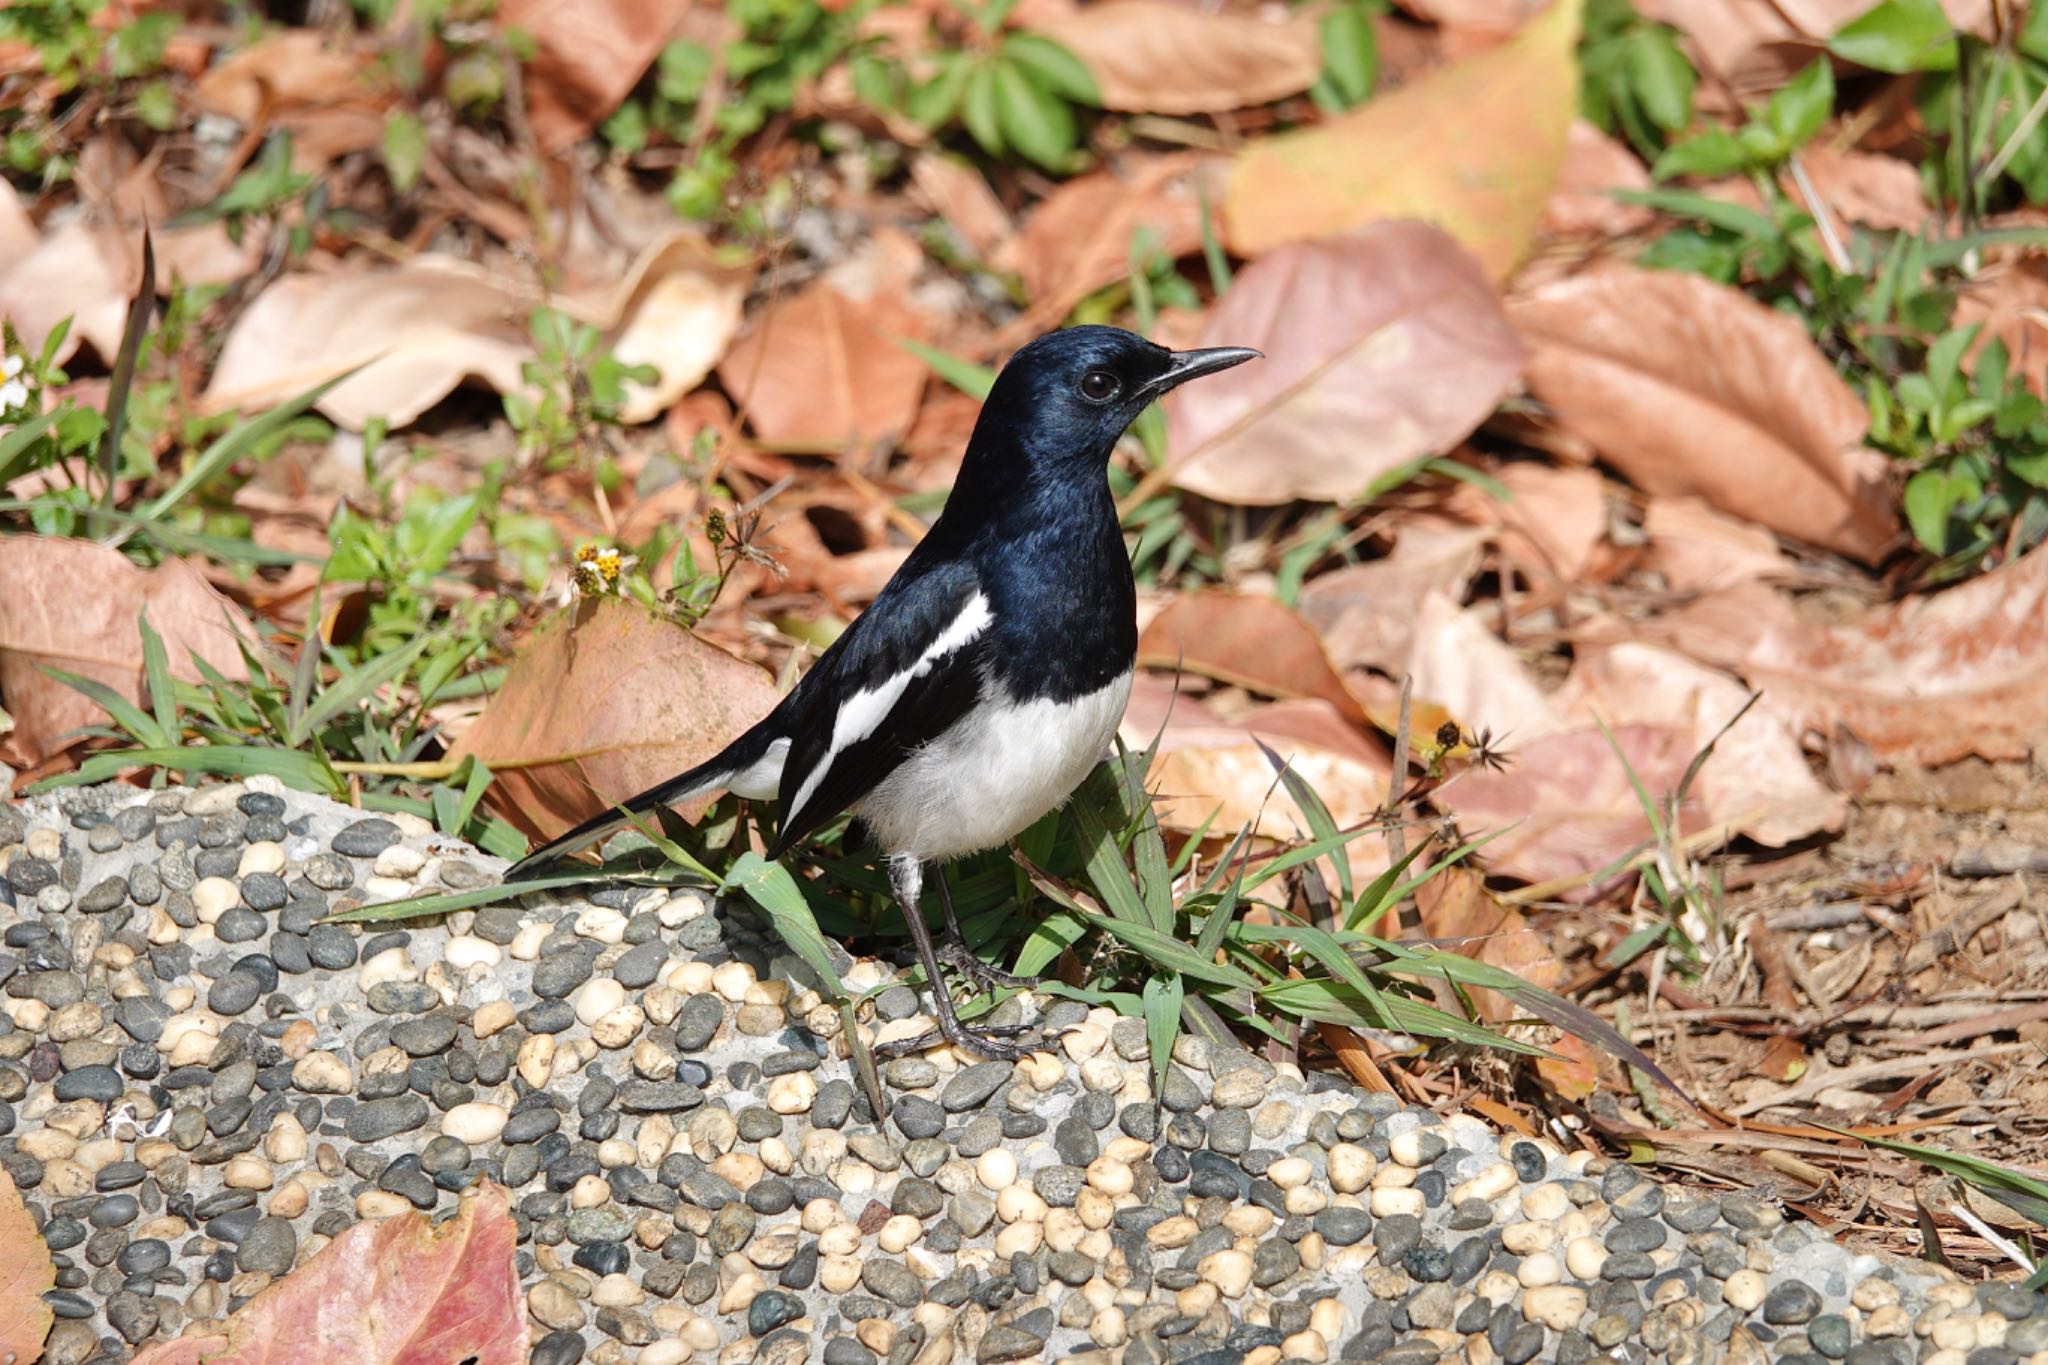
587,57
1691,387
1156,57
1474,147
420,329
404,1289
1365,612
26,1274
74,605
1698,549
1551,522
1380,347
601,702
331,98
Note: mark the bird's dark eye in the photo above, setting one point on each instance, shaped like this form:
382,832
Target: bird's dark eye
1099,386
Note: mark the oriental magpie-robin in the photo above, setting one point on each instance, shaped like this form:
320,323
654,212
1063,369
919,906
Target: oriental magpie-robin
989,675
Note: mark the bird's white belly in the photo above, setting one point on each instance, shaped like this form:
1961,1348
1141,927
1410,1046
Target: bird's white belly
986,779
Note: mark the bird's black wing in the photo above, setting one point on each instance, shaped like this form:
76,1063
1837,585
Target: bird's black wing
905,671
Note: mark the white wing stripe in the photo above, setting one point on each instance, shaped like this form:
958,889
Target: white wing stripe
860,714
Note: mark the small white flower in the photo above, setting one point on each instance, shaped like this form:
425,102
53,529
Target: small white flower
13,395
11,367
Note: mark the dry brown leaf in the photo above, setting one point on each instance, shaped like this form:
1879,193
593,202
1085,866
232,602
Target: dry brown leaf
1250,642
384,1293
588,56
1755,45
1926,680
333,100
1474,147
1156,57
1698,549
1552,521
1080,238
1877,191
822,371
958,193
1570,800
1691,387
1366,612
604,701
1459,914
1211,769
73,605
2009,300
1380,347
1583,202
1574,1072
26,1274
419,330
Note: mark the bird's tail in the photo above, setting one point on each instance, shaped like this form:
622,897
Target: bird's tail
732,766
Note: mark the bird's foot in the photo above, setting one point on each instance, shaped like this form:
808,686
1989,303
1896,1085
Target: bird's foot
957,955
990,1040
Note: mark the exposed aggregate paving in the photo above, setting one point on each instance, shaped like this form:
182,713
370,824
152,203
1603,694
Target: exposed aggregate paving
201,1084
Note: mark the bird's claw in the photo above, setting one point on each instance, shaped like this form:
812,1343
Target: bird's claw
960,958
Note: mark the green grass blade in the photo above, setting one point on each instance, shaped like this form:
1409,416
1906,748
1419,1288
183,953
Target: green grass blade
17,447
1321,824
356,687
1162,1004
770,886
445,902
156,669
1166,951
130,717
971,379
234,443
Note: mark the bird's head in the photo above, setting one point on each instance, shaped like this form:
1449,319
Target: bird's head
1062,401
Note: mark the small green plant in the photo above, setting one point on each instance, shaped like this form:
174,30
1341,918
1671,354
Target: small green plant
1633,79
75,54
1014,92
1771,134
575,390
1977,440
1351,56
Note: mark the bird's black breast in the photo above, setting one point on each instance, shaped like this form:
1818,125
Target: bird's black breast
1064,603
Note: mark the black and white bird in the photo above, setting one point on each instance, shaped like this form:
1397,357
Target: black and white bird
990,674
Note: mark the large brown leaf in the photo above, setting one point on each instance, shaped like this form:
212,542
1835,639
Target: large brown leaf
821,370
1474,148
26,1274
1689,387
1380,347
1156,57
1080,238
332,98
74,605
605,701
1926,680
588,56
1251,642
413,333
399,1292
1366,612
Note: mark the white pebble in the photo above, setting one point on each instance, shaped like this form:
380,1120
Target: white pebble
1546,1202
1406,1148
399,862
1290,1172
996,1168
1539,1270
323,1073
1585,1257
1744,1291
1351,1168
468,951
602,923
390,965
475,1122
619,1028
263,856
1557,1306
213,897
599,998
792,1093
1229,1270
1388,1202
526,943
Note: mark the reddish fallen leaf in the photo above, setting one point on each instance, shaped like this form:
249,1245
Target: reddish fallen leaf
333,99
1699,550
1155,57
1551,522
1926,680
1583,202
604,701
1247,641
1080,238
1691,387
958,193
587,58
1474,147
400,1292
26,1274
1380,347
1574,1073
1461,915
415,332
2008,300
1877,191
1365,613
74,605
821,371
1211,769
1568,797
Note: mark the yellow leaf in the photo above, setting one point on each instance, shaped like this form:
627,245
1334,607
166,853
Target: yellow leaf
1474,148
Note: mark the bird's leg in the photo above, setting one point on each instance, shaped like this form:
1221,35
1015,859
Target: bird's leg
954,952
906,880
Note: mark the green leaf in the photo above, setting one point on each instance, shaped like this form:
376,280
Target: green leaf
1932,496
965,375
1715,152
1796,111
770,886
447,902
1054,68
156,671
1351,54
1036,122
978,108
405,149
1163,998
1898,36
306,772
1662,78
130,717
931,103
354,688
18,445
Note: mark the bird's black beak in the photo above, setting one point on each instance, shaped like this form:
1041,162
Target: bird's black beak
1187,365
